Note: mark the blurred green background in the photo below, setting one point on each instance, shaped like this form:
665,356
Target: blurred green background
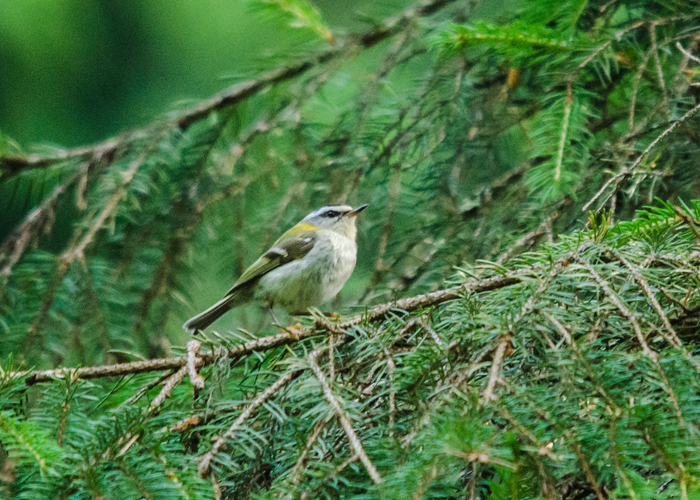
76,72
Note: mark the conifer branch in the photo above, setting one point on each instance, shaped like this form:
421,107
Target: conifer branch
37,222
659,70
671,337
635,87
235,93
579,355
167,389
196,379
354,440
260,399
300,464
626,313
687,54
632,318
377,313
625,172
587,469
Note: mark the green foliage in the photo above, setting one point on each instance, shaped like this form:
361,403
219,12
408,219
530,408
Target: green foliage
507,39
585,397
481,140
302,14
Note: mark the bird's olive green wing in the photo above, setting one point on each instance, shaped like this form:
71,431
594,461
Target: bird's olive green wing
291,246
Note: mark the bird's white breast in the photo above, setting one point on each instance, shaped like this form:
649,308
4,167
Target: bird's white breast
315,278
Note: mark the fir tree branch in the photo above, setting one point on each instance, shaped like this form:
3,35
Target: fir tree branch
659,70
196,379
300,464
37,222
672,336
260,399
626,172
635,87
236,93
354,440
377,313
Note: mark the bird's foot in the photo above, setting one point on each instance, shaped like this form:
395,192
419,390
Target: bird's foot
293,330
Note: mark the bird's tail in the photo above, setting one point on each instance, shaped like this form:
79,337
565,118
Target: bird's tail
206,318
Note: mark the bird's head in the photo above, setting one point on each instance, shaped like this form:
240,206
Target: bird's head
338,218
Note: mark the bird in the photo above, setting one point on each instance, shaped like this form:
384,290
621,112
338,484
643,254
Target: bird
307,266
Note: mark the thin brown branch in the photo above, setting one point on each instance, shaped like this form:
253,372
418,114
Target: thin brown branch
377,313
36,223
95,312
196,379
300,464
672,337
531,238
579,355
127,440
78,251
687,54
690,220
587,469
260,399
625,172
635,87
632,318
659,70
626,313
355,443
391,368
456,379
488,394
145,388
167,389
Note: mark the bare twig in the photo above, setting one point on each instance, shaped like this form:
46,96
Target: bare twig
37,222
687,54
488,394
127,440
145,388
196,379
167,389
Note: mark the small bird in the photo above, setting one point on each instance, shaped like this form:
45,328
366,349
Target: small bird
307,266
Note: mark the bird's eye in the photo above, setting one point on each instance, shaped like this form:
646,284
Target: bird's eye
332,213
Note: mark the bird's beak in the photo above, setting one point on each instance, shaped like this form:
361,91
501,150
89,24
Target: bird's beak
355,211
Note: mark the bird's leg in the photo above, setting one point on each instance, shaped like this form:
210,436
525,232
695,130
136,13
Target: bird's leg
272,313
